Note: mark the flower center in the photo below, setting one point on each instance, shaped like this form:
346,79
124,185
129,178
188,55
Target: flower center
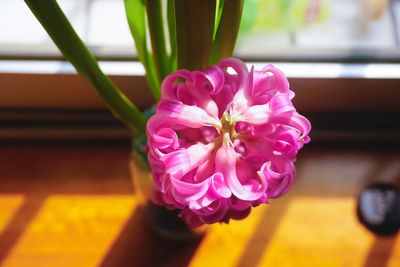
228,126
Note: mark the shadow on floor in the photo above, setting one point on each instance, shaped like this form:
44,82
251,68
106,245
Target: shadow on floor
18,223
380,251
139,245
263,233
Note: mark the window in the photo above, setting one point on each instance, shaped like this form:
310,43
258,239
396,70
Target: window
340,55
301,30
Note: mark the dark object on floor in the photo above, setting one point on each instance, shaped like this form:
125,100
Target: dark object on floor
378,208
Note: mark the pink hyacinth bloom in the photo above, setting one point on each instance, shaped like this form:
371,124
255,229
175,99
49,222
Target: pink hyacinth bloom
224,140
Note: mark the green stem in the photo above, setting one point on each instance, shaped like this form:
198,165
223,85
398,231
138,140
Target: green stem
61,32
227,31
156,29
136,16
172,34
219,6
194,32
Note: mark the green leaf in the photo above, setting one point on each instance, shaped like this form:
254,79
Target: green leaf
194,32
72,47
220,5
228,27
157,36
172,34
136,15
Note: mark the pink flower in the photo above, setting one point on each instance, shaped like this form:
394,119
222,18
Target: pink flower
224,140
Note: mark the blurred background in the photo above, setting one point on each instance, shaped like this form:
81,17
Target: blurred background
320,30
341,56
65,192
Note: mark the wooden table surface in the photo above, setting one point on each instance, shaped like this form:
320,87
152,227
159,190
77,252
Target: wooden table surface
74,206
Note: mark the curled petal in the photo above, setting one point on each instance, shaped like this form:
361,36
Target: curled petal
256,115
286,142
224,99
302,124
199,195
179,162
218,186
281,82
160,133
168,88
165,139
159,180
185,95
281,103
243,96
185,192
225,163
205,170
201,89
238,66
214,212
242,93
263,88
214,76
154,160
189,116
279,180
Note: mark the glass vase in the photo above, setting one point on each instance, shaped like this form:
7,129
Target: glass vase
164,221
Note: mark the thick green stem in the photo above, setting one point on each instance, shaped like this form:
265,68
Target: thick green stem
136,16
72,47
156,29
172,34
227,31
194,32
218,13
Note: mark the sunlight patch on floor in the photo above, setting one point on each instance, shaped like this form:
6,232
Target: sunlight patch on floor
319,232
394,260
9,204
72,230
313,231
224,243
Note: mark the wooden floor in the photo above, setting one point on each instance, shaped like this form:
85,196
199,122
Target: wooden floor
74,206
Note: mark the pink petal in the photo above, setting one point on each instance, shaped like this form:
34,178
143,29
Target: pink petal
168,88
189,116
225,162
204,100
241,97
279,180
214,212
206,84
215,76
218,188
256,115
263,88
185,192
179,162
281,82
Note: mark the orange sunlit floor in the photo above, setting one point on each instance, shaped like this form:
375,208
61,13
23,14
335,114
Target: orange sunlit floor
74,206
